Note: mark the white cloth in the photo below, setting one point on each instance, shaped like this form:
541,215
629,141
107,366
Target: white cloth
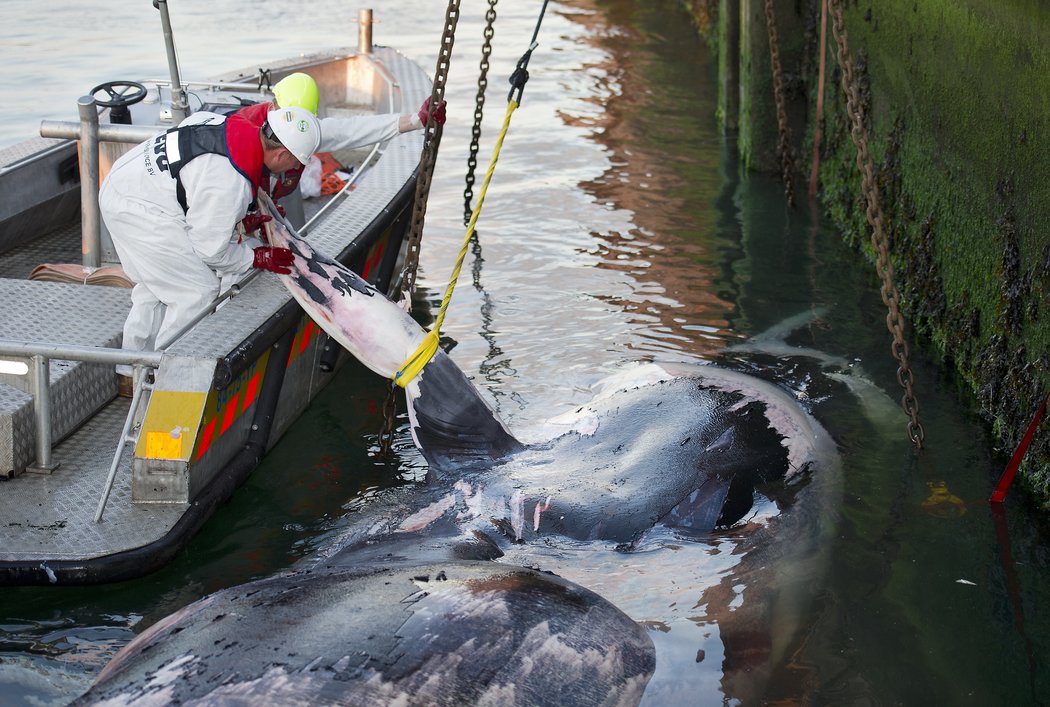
175,259
349,133
310,181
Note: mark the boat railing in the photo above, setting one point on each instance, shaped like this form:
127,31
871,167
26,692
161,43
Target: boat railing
90,132
34,360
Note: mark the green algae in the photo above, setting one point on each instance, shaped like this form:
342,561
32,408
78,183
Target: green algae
957,101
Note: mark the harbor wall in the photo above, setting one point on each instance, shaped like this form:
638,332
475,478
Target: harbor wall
956,97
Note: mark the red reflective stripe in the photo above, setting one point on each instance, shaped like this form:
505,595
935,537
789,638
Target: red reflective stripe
230,415
307,335
253,388
373,261
205,442
291,352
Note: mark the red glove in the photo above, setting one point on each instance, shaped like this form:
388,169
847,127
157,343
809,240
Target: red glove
439,112
253,222
275,260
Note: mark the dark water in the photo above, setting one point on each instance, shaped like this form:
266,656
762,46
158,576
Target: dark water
619,229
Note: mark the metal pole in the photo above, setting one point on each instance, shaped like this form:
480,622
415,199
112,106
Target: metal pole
364,30
90,233
178,94
107,132
42,406
90,354
139,383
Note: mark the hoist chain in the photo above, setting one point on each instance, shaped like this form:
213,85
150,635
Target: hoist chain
431,140
784,130
386,432
879,239
479,110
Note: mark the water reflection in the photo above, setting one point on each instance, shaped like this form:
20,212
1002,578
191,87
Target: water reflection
664,170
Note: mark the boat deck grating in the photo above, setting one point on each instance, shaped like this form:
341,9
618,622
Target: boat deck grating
51,516
61,245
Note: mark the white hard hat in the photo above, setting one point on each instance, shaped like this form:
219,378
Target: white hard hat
297,129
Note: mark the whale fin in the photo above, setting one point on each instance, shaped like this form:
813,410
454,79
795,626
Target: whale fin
450,419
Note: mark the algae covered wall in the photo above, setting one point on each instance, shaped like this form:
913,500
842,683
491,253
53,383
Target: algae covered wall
957,99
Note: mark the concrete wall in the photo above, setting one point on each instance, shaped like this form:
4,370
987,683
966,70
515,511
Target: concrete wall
957,94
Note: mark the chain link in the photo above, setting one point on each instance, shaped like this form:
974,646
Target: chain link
783,129
427,159
879,239
431,140
479,110
386,432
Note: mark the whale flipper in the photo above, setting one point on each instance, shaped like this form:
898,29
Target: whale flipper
450,418
451,422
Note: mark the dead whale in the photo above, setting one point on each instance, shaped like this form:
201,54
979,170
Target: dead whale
667,446
708,434
452,633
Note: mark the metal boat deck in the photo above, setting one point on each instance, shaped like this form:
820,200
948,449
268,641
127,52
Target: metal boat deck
44,515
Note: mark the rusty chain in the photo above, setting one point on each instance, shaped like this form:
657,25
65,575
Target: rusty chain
783,129
479,110
386,431
431,140
879,239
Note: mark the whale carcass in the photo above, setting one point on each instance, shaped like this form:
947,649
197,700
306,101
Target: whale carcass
406,602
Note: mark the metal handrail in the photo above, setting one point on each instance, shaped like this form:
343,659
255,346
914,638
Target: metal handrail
107,132
88,354
40,355
376,150
139,383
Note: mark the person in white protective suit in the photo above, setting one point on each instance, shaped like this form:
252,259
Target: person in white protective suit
171,205
299,90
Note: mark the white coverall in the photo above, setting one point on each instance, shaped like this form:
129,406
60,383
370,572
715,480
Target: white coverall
176,259
348,133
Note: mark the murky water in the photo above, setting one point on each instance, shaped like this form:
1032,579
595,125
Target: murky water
617,229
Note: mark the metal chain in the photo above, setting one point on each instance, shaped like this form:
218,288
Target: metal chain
479,110
879,239
431,141
386,432
784,130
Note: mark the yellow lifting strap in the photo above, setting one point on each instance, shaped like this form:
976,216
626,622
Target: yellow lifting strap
422,355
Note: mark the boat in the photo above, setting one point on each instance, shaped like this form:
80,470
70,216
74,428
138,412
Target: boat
98,488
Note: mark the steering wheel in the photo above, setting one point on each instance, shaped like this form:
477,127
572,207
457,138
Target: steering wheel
117,92
119,98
